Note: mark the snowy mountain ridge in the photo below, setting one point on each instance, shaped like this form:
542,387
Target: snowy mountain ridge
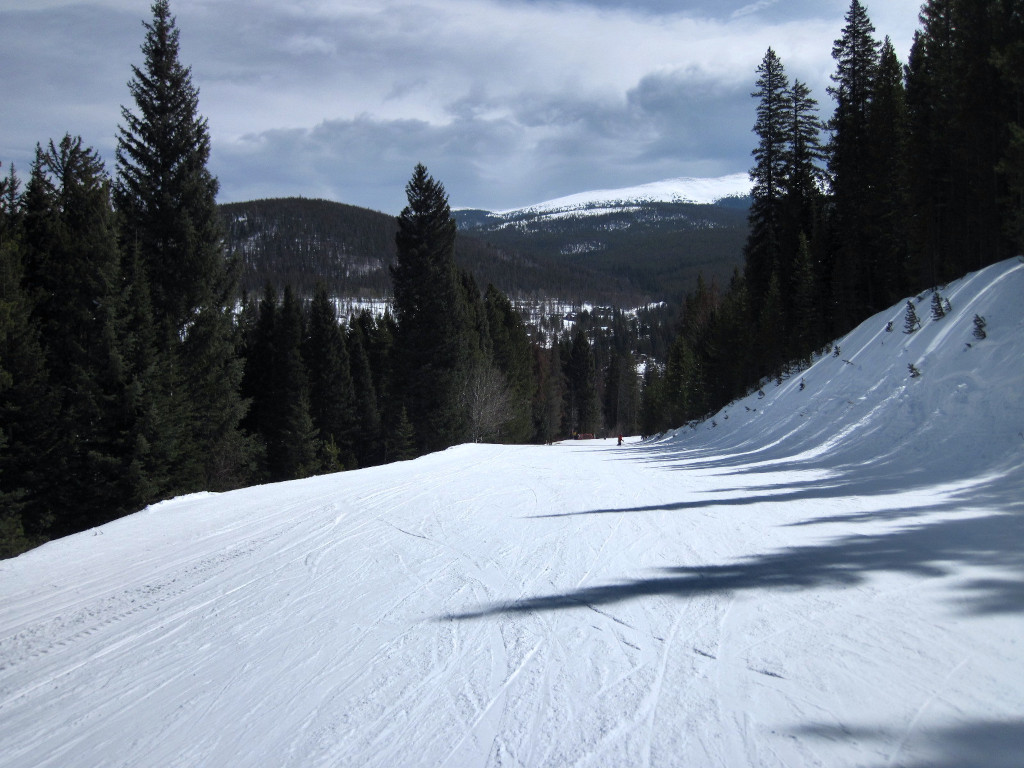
659,236
826,573
698,191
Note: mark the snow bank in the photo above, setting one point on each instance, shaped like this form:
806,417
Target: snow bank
861,405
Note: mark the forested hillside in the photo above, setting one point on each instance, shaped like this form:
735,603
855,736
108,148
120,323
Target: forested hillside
661,248
298,242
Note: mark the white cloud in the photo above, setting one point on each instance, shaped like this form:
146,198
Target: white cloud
753,8
518,97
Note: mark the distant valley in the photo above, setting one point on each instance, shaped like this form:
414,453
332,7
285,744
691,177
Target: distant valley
612,247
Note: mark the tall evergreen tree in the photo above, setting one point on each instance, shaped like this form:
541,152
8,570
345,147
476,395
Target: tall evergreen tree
980,135
155,395
164,189
856,56
291,436
887,211
582,405
510,348
654,407
258,374
805,175
809,330
1009,60
963,103
433,342
331,397
25,402
71,269
549,393
930,108
166,197
773,127
621,393
367,440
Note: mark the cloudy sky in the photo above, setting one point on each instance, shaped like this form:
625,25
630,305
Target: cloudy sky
507,102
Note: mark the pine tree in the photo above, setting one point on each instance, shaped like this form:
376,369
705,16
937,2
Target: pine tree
1008,59
166,197
910,320
979,135
964,95
930,110
807,313
856,54
583,407
258,373
769,174
164,189
155,393
433,342
399,445
291,436
654,409
71,265
805,180
888,211
549,394
979,331
25,400
612,384
510,350
733,341
212,374
367,440
684,385
773,341
331,396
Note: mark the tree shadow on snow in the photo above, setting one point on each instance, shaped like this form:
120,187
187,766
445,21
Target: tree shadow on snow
999,489
925,550
983,744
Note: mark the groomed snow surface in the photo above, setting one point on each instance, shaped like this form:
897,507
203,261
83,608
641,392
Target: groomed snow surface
830,575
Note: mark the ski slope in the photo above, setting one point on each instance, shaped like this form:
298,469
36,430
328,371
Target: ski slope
826,575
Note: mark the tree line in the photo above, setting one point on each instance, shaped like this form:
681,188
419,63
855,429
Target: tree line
131,370
301,242
917,178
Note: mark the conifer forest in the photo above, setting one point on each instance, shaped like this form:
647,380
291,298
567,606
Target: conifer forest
134,367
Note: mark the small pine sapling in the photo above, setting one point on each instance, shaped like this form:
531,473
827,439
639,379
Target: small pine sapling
938,311
888,327
979,327
914,371
910,320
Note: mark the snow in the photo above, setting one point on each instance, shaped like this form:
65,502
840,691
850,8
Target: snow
820,576
704,191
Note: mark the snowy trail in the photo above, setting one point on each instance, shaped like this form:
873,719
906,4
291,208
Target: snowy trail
593,612
733,595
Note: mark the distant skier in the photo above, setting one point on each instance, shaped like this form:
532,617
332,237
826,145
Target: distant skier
620,439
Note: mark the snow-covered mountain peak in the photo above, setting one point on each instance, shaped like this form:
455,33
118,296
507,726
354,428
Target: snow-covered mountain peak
678,190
